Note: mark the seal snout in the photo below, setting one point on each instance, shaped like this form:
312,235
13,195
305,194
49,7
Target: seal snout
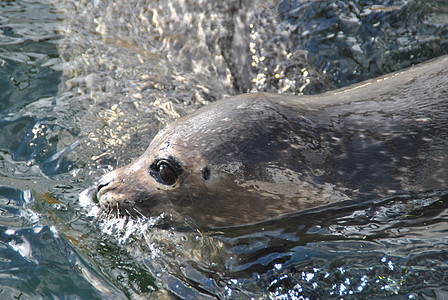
108,193
106,184
101,186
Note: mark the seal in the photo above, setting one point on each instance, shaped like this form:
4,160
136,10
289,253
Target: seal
254,157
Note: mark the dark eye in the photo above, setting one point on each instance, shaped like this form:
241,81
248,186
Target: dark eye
166,173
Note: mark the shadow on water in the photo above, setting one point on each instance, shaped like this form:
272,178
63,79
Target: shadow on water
85,85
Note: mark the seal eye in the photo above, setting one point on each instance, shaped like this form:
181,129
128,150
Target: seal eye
166,173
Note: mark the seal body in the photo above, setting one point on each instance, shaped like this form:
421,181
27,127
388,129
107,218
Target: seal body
253,157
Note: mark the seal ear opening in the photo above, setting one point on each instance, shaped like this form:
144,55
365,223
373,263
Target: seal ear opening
206,173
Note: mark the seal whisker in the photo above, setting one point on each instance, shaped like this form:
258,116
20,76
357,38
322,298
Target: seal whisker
138,212
127,211
109,214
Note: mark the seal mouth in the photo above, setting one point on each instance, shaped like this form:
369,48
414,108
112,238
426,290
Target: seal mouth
110,201
123,210
114,205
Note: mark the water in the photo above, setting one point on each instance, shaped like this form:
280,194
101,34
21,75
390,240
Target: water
86,85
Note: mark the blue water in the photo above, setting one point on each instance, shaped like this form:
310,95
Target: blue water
36,261
86,85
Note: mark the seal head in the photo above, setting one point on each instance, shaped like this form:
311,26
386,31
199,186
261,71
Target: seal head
237,161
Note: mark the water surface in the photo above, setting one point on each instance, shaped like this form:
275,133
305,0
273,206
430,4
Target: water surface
86,85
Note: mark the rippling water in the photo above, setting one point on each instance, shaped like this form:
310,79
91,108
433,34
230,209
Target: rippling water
86,85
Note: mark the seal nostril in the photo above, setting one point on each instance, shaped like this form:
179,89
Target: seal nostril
100,186
103,183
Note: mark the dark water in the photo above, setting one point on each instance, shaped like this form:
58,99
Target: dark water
85,86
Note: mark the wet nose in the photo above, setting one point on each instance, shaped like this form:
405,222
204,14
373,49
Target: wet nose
103,184
110,193
106,183
104,189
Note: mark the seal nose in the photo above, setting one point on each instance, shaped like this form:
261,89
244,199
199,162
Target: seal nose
105,194
101,185
111,193
105,183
